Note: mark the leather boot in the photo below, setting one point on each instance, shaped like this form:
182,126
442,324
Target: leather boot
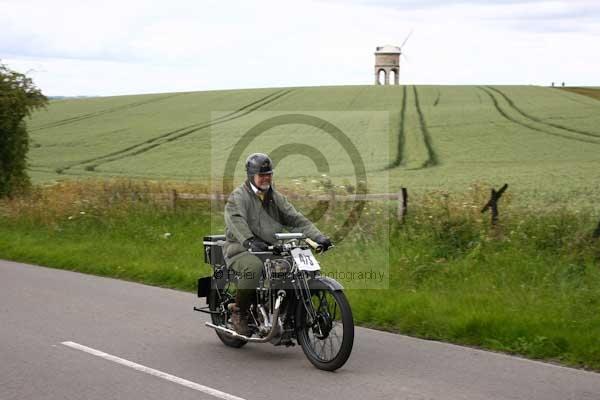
239,311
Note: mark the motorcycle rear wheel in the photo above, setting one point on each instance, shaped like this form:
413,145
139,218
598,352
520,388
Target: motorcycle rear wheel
215,297
321,341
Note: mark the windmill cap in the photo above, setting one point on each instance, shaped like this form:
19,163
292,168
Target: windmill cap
387,49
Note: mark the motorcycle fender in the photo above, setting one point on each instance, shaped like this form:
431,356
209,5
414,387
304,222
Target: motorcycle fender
324,282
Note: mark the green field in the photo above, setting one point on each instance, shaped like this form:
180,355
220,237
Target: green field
544,142
529,286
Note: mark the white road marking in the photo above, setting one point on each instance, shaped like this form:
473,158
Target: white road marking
154,372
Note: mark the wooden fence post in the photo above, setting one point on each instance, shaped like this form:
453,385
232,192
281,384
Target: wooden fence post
493,203
332,200
173,199
402,204
107,194
596,233
221,201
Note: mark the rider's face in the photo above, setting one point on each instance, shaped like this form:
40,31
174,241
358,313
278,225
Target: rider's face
263,181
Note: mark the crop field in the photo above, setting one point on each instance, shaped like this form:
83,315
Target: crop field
543,142
529,285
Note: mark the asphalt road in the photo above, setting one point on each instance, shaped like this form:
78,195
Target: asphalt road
156,347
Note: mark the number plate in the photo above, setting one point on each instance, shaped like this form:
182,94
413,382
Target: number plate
305,260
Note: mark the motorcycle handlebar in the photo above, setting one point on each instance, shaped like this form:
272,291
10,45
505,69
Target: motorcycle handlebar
278,248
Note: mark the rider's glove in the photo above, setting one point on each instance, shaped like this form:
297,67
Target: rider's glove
324,242
255,245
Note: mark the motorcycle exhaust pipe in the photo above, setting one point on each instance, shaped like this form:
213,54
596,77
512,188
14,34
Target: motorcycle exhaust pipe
274,329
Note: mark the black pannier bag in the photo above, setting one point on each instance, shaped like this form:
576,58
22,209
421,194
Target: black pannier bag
213,255
213,250
204,286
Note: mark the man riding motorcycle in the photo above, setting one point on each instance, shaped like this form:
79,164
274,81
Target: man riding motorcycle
253,213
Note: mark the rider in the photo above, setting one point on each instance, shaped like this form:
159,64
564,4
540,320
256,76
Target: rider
253,213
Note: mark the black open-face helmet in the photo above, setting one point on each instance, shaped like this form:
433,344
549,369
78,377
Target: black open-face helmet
258,163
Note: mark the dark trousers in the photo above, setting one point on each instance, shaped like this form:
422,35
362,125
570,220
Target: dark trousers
249,269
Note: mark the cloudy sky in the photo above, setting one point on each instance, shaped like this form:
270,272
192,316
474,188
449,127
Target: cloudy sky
130,46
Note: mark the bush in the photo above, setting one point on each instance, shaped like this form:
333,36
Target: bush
18,98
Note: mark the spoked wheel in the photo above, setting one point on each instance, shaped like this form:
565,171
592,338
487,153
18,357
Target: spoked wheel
217,301
327,340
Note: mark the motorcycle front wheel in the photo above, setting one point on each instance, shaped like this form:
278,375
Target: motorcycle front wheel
327,340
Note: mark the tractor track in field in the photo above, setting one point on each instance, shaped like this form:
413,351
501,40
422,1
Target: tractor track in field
356,97
432,159
94,114
479,98
176,134
538,120
527,125
43,169
437,99
400,155
49,170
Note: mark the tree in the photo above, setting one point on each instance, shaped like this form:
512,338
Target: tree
19,97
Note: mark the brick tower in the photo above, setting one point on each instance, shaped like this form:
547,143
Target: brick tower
387,62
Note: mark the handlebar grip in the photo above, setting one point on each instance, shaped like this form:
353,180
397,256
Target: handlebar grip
317,247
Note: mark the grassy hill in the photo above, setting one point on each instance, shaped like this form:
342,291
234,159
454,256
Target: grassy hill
530,285
544,142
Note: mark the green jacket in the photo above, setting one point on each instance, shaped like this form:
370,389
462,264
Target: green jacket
246,216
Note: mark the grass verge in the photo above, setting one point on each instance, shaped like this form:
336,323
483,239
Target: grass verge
531,286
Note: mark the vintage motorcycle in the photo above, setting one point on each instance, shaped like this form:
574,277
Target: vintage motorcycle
293,301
